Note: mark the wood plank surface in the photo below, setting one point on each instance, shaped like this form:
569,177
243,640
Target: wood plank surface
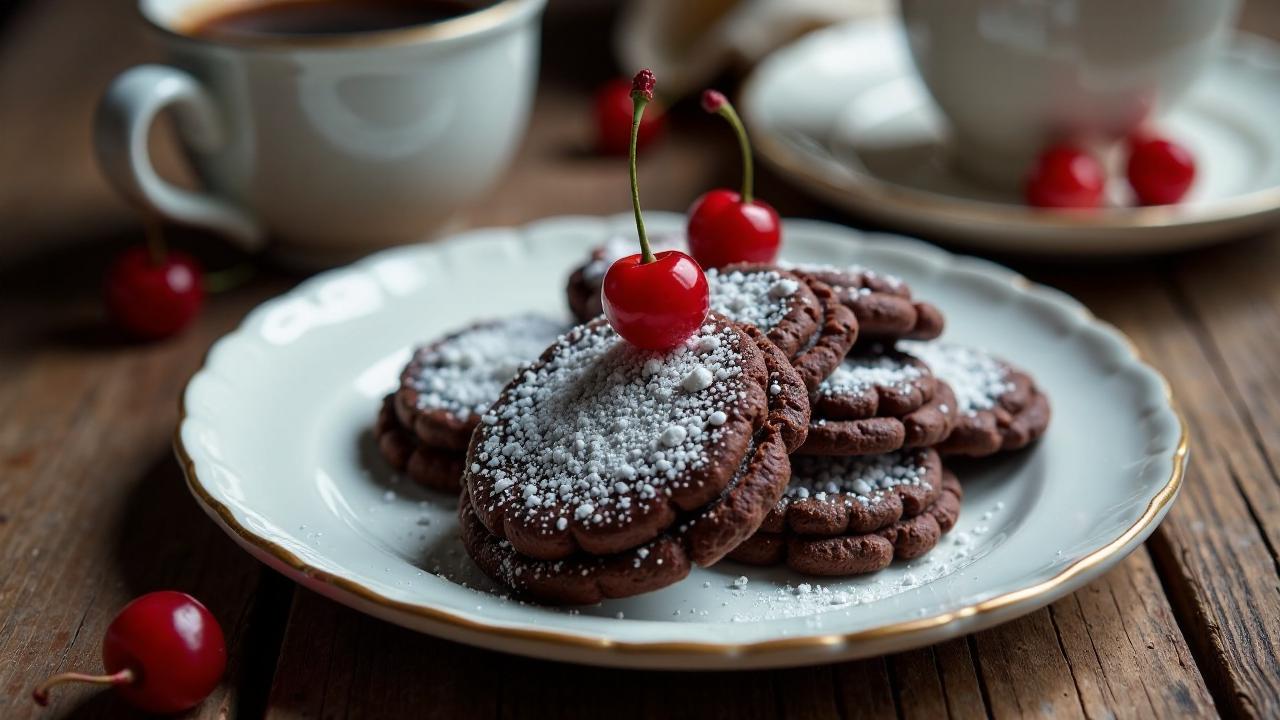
1211,550
93,511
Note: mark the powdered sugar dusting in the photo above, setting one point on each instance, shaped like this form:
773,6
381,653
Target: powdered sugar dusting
977,378
863,479
602,426
859,373
757,297
465,373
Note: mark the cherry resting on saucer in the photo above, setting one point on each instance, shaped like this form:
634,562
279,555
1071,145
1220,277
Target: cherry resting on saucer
726,227
653,301
613,110
1160,170
164,653
1065,176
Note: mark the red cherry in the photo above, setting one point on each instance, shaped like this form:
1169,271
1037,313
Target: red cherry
724,230
726,227
613,119
653,301
164,653
656,305
1066,177
153,299
1160,171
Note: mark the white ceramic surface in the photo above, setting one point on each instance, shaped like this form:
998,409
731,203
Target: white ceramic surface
334,145
1013,76
843,112
275,441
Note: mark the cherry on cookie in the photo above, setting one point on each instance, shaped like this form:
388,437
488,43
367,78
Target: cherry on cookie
654,301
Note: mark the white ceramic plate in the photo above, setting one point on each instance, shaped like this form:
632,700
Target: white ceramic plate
275,441
843,113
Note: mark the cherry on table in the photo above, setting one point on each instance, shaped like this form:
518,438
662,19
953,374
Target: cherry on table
1066,176
724,226
164,653
613,110
1159,170
653,301
154,294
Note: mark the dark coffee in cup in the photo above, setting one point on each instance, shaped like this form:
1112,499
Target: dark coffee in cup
325,17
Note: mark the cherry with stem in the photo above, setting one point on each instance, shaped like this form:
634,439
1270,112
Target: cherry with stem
152,291
727,227
163,653
613,109
655,301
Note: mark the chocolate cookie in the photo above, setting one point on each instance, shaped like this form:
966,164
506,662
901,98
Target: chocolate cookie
578,580
882,303
998,407
860,506
702,536
600,447
435,468
449,383
878,402
836,335
779,304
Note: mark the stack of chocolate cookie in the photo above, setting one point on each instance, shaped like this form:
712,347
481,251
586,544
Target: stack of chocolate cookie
868,485
805,423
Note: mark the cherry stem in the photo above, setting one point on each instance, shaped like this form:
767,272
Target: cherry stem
726,111
153,231
638,103
41,694
220,281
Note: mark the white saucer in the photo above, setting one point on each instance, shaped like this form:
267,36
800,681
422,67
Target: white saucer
843,113
275,442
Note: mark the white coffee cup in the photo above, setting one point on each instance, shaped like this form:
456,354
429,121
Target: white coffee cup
1012,76
329,146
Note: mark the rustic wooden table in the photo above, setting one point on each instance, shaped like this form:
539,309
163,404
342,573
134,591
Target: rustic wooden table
93,510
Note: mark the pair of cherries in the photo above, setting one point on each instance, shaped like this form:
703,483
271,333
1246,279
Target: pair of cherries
1159,170
656,301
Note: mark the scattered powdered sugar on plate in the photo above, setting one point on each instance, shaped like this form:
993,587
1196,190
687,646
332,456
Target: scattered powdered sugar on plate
602,426
977,378
859,373
813,599
757,297
809,598
861,479
464,373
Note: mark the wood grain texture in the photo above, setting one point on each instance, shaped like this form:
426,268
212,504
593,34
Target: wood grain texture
93,511
1211,550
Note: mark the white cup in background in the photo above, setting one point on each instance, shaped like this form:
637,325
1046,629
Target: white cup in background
327,146
1012,76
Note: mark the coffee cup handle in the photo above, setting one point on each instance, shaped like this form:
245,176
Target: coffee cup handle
121,126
